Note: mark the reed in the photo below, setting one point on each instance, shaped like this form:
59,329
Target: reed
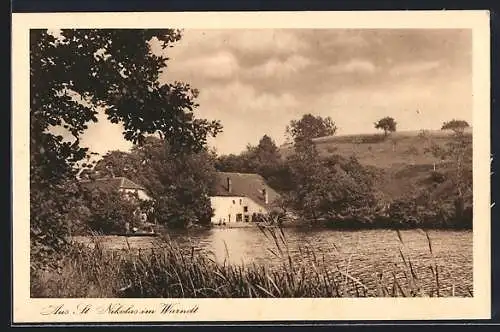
175,272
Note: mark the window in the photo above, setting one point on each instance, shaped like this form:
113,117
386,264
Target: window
240,201
247,218
239,217
245,209
234,202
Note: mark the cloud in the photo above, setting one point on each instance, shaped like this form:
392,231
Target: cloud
265,41
241,98
279,68
415,104
245,42
353,66
346,38
256,81
414,68
246,113
221,65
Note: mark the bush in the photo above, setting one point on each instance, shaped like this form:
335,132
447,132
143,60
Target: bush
79,218
110,210
51,202
437,177
331,149
402,213
176,212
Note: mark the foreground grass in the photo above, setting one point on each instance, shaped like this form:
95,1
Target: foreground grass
174,272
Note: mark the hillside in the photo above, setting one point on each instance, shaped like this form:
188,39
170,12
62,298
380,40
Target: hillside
401,158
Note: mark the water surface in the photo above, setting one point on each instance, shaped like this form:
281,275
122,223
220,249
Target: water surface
372,256
363,254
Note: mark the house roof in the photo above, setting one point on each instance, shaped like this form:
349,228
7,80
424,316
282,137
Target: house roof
245,184
111,183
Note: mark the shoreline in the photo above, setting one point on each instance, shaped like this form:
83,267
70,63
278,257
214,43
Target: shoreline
242,225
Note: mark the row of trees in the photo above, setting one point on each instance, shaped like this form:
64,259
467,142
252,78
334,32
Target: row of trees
344,193
388,125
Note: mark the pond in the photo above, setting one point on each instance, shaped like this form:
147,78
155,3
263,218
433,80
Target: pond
370,256
364,254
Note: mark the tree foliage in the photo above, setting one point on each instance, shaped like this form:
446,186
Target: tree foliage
264,159
180,183
446,198
332,188
310,126
80,73
110,210
459,125
343,193
387,124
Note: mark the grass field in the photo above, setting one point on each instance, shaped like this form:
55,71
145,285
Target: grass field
400,157
399,148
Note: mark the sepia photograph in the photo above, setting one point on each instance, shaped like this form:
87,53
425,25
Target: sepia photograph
225,163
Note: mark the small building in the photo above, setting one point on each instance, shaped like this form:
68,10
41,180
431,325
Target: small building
121,184
240,197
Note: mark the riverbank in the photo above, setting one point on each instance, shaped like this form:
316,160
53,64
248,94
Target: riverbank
190,271
242,225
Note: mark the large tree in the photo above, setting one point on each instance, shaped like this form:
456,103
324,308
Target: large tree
255,159
264,159
78,73
180,183
310,126
387,124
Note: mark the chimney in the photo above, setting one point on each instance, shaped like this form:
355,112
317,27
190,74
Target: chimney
266,197
229,185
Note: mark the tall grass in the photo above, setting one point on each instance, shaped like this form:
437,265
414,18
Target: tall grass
176,272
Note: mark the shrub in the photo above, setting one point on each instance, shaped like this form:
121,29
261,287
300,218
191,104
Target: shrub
403,213
110,210
176,212
437,177
331,149
50,204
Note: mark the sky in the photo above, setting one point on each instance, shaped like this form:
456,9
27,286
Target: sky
256,81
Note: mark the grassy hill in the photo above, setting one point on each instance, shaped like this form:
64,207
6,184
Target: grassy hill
400,158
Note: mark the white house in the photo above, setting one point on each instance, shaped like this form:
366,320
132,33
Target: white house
121,184
239,197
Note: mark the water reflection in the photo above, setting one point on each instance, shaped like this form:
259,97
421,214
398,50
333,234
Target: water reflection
363,254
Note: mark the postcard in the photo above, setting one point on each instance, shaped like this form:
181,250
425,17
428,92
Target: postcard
251,166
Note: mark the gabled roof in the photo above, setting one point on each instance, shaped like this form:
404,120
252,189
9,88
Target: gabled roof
245,184
111,183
